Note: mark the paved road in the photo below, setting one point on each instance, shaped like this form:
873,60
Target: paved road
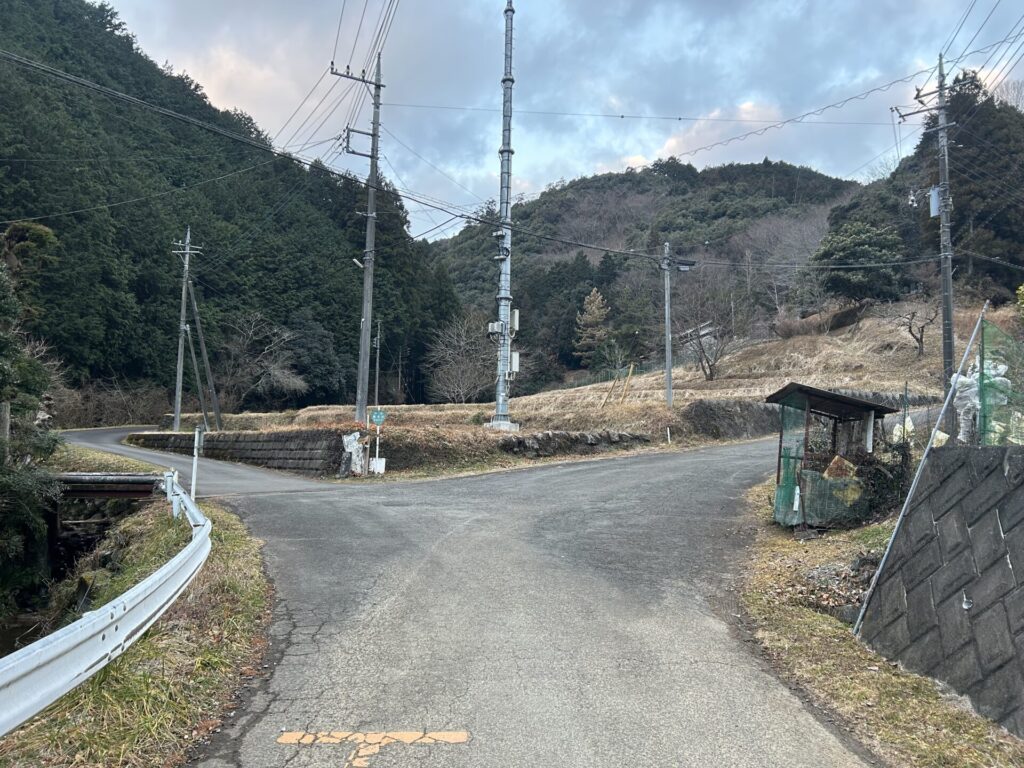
569,615
216,478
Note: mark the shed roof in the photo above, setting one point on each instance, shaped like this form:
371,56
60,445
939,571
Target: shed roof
827,403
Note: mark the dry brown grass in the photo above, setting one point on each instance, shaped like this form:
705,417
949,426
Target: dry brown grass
76,458
149,705
904,718
874,355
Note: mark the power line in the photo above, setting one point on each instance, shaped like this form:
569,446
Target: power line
358,30
399,177
301,105
312,112
994,260
983,23
138,199
622,116
421,157
956,31
129,155
80,81
337,35
436,226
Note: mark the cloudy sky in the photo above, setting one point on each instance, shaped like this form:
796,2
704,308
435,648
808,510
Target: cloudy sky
725,62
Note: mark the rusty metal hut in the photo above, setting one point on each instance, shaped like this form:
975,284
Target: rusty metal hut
824,437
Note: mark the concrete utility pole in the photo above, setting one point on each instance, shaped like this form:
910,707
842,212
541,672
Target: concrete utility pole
5,432
666,266
945,224
946,245
363,380
185,252
666,269
214,402
503,329
376,377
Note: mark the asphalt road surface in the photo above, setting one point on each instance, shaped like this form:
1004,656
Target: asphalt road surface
570,615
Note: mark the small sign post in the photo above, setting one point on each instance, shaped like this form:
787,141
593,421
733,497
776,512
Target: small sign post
377,416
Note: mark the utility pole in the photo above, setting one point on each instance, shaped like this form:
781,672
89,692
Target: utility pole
945,214
214,402
185,252
376,377
666,269
666,266
199,381
363,381
5,432
503,330
946,245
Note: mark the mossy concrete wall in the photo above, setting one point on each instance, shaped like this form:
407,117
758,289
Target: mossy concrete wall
315,452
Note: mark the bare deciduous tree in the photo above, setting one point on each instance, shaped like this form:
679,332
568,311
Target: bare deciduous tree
1011,92
712,315
461,360
914,319
257,360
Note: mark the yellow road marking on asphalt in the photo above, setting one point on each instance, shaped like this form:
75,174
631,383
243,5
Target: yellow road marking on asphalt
370,743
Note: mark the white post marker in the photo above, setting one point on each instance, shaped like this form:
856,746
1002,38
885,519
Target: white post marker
377,416
195,462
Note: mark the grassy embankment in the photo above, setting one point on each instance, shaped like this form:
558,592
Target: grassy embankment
906,719
170,687
874,355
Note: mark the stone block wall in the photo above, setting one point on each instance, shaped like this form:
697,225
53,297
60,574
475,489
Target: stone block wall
555,442
950,602
316,452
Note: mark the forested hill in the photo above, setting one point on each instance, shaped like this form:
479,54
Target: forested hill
748,215
668,201
889,219
277,239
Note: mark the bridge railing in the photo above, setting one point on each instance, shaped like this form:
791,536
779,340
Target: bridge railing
37,675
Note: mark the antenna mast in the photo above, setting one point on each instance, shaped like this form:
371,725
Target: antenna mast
507,323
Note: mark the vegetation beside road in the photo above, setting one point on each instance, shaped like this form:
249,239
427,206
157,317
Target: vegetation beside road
77,458
168,690
906,719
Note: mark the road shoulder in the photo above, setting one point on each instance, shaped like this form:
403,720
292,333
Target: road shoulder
902,718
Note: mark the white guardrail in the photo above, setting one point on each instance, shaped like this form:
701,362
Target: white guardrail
37,675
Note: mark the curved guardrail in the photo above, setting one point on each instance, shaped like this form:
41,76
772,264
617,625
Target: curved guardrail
37,675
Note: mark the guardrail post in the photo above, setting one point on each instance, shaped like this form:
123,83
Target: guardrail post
169,483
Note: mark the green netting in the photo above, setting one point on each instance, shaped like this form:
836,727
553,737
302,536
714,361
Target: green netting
829,495
791,454
992,392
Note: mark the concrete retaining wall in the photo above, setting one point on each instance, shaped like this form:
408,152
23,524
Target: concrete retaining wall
731,419
950,603
316,452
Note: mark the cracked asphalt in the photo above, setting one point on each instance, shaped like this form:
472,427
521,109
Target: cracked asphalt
575,614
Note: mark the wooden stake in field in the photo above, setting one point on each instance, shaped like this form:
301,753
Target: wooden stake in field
625,386
610,390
